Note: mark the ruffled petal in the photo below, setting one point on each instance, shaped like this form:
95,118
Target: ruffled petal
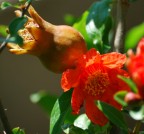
140,48
116,83
94,114
92,56
77,100
114,60
70,78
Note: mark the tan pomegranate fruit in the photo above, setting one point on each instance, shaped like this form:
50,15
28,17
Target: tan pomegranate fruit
57,47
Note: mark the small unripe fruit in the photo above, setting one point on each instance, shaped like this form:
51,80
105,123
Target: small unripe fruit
132,98
57,47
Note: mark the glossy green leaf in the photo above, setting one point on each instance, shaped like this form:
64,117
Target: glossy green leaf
44,100
3,30
59,112
15,39
134,36
80,25
17,24
99,12
71,129
82,122
99,24
137,113
18,131
114,115
131,84
5,5
119,97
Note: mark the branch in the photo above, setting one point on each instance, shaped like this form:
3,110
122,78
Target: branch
4,120
122,7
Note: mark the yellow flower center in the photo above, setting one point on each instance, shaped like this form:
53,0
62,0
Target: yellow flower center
97,83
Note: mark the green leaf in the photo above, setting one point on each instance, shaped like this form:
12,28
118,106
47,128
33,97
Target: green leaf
70,19
99,12
44,100
131,84
137,113
114,115
71,129
99,24
82,122
119,97
17,24
96,129
80,25
18,131
3,30
134,36
15,39
5,5
59,112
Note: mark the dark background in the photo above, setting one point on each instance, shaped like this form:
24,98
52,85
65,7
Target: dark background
20,76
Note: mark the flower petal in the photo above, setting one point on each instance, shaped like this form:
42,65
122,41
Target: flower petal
92,56
114,60
69,79
94,114
77,100
140,48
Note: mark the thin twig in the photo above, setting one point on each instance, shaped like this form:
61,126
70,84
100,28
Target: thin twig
3,45
137,128
4,120
122,6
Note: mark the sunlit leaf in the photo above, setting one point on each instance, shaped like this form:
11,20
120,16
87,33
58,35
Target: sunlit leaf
137,113
119,97
18,131
44,100
114,115
133,36
131,84
98,25
5,5
3,30
59,112
71,129
82,122
80,25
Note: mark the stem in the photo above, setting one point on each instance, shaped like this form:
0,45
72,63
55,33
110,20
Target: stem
4,120
122,6
137,128
3,45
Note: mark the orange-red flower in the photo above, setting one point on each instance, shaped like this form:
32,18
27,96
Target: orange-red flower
95,78
135,65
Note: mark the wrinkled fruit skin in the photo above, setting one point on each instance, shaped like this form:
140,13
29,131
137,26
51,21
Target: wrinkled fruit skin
57,47
67,46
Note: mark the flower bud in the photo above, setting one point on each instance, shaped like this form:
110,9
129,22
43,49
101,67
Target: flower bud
132,98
